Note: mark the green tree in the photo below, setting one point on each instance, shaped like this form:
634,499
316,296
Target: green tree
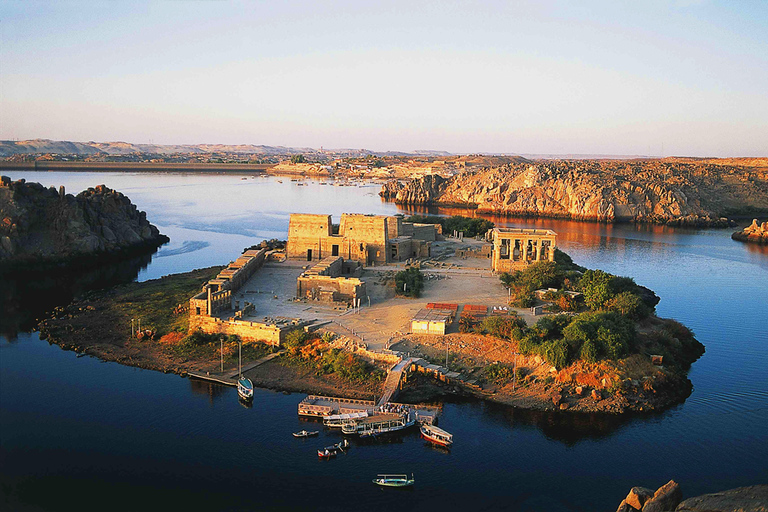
297,159
596,287
627,304
409,282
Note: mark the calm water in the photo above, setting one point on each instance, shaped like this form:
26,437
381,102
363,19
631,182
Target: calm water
79,432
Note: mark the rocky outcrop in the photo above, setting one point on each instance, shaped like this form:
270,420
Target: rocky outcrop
634,191
742,499
41,225
667,498
756,233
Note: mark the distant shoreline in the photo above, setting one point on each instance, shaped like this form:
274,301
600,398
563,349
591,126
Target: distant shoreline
49,165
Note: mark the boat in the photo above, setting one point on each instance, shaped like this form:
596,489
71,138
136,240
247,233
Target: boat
339,420
244,384
394,480
245,388
436,435
306,433
379,424
325,454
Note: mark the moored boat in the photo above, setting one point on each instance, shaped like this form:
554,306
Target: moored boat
245,389
436,435
379,424
306,433
394,480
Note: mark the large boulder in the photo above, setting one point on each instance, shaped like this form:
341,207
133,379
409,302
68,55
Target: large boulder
638,496
665,499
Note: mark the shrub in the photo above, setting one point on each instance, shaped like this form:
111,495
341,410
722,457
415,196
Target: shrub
499,326
555,352
589,352
498,373
550,327
627,304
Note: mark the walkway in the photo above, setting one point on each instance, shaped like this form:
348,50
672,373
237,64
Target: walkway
230,378
392,384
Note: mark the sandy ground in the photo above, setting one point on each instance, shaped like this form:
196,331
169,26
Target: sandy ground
383,317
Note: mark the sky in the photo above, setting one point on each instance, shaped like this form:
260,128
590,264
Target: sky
639,77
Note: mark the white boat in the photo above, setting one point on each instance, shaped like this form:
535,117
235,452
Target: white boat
379,424
394,480
245,388
339,420
306,433
436,435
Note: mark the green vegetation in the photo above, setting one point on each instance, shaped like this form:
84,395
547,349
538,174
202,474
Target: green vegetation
160,304
198,345
409,282
607,326
498,373
471,227
308,351
298,159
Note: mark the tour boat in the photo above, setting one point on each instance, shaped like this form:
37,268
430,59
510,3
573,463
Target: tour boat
378,425
394,480
305,433
245,388
436,435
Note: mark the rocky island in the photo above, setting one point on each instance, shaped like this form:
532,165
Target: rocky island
549,335
678,192
42,226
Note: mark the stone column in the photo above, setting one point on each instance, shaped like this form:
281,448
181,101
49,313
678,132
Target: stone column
525,250
538,250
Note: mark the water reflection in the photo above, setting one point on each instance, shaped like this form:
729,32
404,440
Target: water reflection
27,295
207,389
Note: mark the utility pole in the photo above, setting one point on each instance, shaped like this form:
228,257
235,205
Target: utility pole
133,333
221,340
514,373
446,355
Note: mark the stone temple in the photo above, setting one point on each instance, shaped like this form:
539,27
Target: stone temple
515,249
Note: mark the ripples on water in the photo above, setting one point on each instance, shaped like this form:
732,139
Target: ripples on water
78,431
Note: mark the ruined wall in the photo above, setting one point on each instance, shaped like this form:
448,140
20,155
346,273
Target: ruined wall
249,331
328,288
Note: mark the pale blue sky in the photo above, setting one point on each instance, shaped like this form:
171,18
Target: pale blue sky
612,77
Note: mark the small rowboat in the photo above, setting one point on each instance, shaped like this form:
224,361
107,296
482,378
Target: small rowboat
436,435
304,433
394,480
326,453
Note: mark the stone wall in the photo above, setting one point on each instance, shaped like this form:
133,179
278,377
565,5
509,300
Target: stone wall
249,331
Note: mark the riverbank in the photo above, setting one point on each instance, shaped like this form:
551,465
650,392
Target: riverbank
146,325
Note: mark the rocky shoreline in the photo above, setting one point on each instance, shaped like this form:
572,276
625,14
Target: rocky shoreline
656,192
669,498
45,227
755,233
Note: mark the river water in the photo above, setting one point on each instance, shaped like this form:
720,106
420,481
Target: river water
76,432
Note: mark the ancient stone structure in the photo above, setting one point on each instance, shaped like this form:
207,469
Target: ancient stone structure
332,280
369,239
755,232
208,310
515,249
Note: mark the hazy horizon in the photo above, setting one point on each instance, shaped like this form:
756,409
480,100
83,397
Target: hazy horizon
656,78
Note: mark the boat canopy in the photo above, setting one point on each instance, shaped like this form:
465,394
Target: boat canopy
346,417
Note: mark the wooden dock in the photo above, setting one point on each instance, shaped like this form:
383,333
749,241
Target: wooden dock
230,378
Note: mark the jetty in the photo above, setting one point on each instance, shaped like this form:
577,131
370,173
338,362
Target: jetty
230,378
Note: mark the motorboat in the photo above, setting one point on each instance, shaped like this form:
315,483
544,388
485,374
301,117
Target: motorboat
326,454
394,480
436,435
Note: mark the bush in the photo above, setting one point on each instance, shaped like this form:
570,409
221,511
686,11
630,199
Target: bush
555,353
589,352
498,373
628,304
409,282
550,327
499,326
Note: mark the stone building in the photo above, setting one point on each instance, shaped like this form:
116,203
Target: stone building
332,280
515,249
369,239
